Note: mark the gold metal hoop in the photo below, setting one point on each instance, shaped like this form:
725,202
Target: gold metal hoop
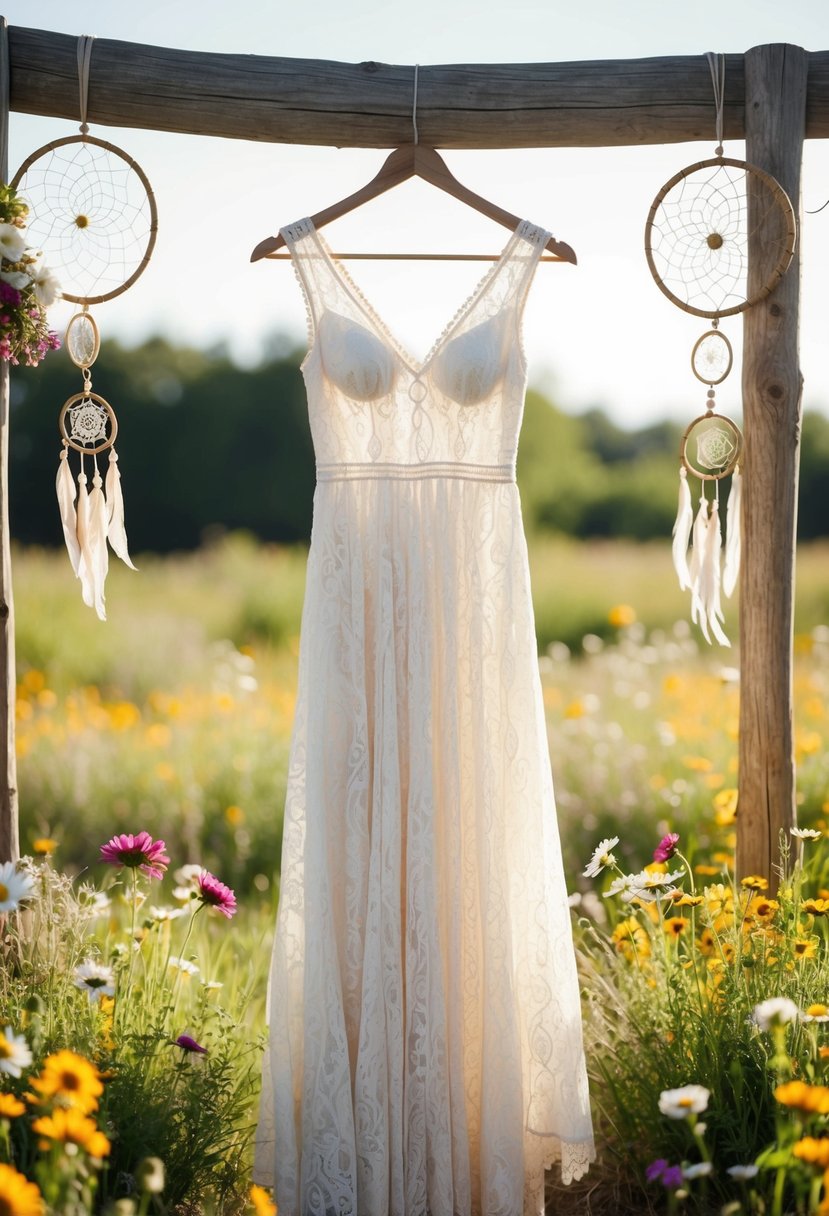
134,165
113,422
782,201
738,447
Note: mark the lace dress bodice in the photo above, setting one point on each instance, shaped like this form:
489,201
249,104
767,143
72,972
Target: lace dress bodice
371,403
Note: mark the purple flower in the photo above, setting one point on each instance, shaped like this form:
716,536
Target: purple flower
9,294
139,851
666,848
669,1175
215,894
187,1044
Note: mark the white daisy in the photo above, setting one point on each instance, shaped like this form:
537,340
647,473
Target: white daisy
12,242
700,1170
14,886
14,1053
688,1100
165,913
742,1173
47,288
602,857
15,278
805,833
95,980
816,1013
212,985
183,964
777,1011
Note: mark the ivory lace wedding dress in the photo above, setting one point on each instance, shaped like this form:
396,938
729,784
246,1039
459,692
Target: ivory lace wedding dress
425,1054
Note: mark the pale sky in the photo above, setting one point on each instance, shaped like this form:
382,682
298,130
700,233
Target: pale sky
598,334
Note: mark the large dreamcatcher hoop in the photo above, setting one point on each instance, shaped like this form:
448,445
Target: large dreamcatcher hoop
95,208
696,244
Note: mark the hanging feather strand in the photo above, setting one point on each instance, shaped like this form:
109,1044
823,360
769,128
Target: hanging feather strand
733,540
66,502
84,572
708,586
115,508
96,544
682,530
697,552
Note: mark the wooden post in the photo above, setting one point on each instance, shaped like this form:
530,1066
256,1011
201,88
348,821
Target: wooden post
772,385
9,841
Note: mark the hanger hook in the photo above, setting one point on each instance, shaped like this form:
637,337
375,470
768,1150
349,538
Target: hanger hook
414,104
84,59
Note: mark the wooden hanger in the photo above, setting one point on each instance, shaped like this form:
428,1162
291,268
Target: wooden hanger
415,160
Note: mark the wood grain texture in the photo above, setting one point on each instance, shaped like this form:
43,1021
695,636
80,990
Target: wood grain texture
308,101
9,841
776,88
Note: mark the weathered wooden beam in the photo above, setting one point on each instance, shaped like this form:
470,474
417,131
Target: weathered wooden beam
9,840
312,101
776,80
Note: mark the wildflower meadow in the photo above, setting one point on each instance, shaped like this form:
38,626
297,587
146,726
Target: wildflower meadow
136,928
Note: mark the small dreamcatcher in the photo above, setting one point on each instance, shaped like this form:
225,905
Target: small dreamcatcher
93,206
696,244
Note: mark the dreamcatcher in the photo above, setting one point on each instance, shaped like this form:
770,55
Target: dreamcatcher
696,243
93,206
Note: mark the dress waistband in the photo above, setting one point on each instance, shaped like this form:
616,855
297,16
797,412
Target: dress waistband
416,472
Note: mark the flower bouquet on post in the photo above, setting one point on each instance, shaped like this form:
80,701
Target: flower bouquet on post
27,288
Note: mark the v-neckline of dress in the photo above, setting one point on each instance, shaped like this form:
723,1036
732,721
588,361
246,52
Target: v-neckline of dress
417,367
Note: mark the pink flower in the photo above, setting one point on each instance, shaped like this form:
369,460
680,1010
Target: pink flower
139,851
187,1044
215,894
666,848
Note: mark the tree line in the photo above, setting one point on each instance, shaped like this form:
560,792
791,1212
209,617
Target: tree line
205,446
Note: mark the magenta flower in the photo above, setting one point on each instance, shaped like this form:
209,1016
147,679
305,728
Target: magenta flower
215,894
656,1169
187,1044
666,848
141,852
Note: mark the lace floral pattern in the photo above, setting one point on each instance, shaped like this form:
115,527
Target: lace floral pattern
425,1053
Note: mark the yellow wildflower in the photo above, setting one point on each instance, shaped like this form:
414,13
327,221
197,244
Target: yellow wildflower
261,1201
234,815
754,882
816,907
805,947
18,1196
675,926
44,846
631,939
762,908
814,1150
725,808
706,942
10,1108
621,615
70,1080
705,870
72,1127
684,900
811,1099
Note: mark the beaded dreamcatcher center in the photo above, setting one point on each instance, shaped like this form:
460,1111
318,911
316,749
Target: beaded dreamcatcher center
93,206
697,243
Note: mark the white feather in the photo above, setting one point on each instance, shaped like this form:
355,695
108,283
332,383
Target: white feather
84,568
115,507
697,553
65,486
96,544
682,530
733,539
709,580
